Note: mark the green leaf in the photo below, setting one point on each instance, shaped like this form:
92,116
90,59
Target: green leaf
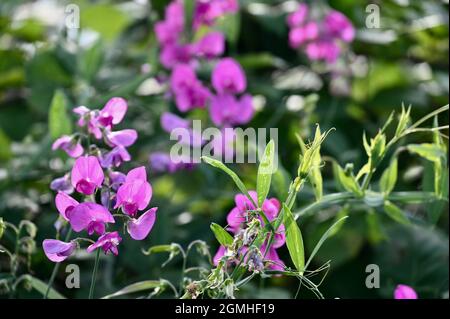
324,237
389,177
41,287
222,236
265,171
218,164
58,120
346,179
136,287
294,240
395,213
431,152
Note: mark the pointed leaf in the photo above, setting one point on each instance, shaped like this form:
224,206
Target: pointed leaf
389,177
222,236
265,171
294,240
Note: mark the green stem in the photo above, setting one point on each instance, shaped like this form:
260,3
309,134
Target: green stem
94,274
56,268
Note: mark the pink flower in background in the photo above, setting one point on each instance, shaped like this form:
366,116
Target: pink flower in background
65,204
169,30
320,39
141,227
219,254
210,45
113,112
405,292
339,26
87,175
188,90
227,110
91,217
70,145
135,193
108,242
272,258
298,17
229,77
58,251
123,138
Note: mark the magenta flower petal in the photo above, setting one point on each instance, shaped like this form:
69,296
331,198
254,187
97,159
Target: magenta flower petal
243,203
113,112
298,17
108,242
133,196
72,147
170,121
235,218
57,250
271,208
138,173
405,292
90,216
123,138
211,45
338,25
65,204
87,175
229,77
115,157
141,227
272,257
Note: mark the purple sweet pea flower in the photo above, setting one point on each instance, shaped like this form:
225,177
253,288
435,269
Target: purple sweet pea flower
405,292
65,204
300,35
57,250
229,77
115,157
188,90
135,193
323,50
108,242
210,46
87,175
90,216
113,112
174,54
70,145
298,17
82,112
123,138
141,227
116,179
226,110
62,184
339,26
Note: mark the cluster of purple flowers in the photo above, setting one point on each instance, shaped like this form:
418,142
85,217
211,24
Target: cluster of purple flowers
227,102
94,172
320,40
238,219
